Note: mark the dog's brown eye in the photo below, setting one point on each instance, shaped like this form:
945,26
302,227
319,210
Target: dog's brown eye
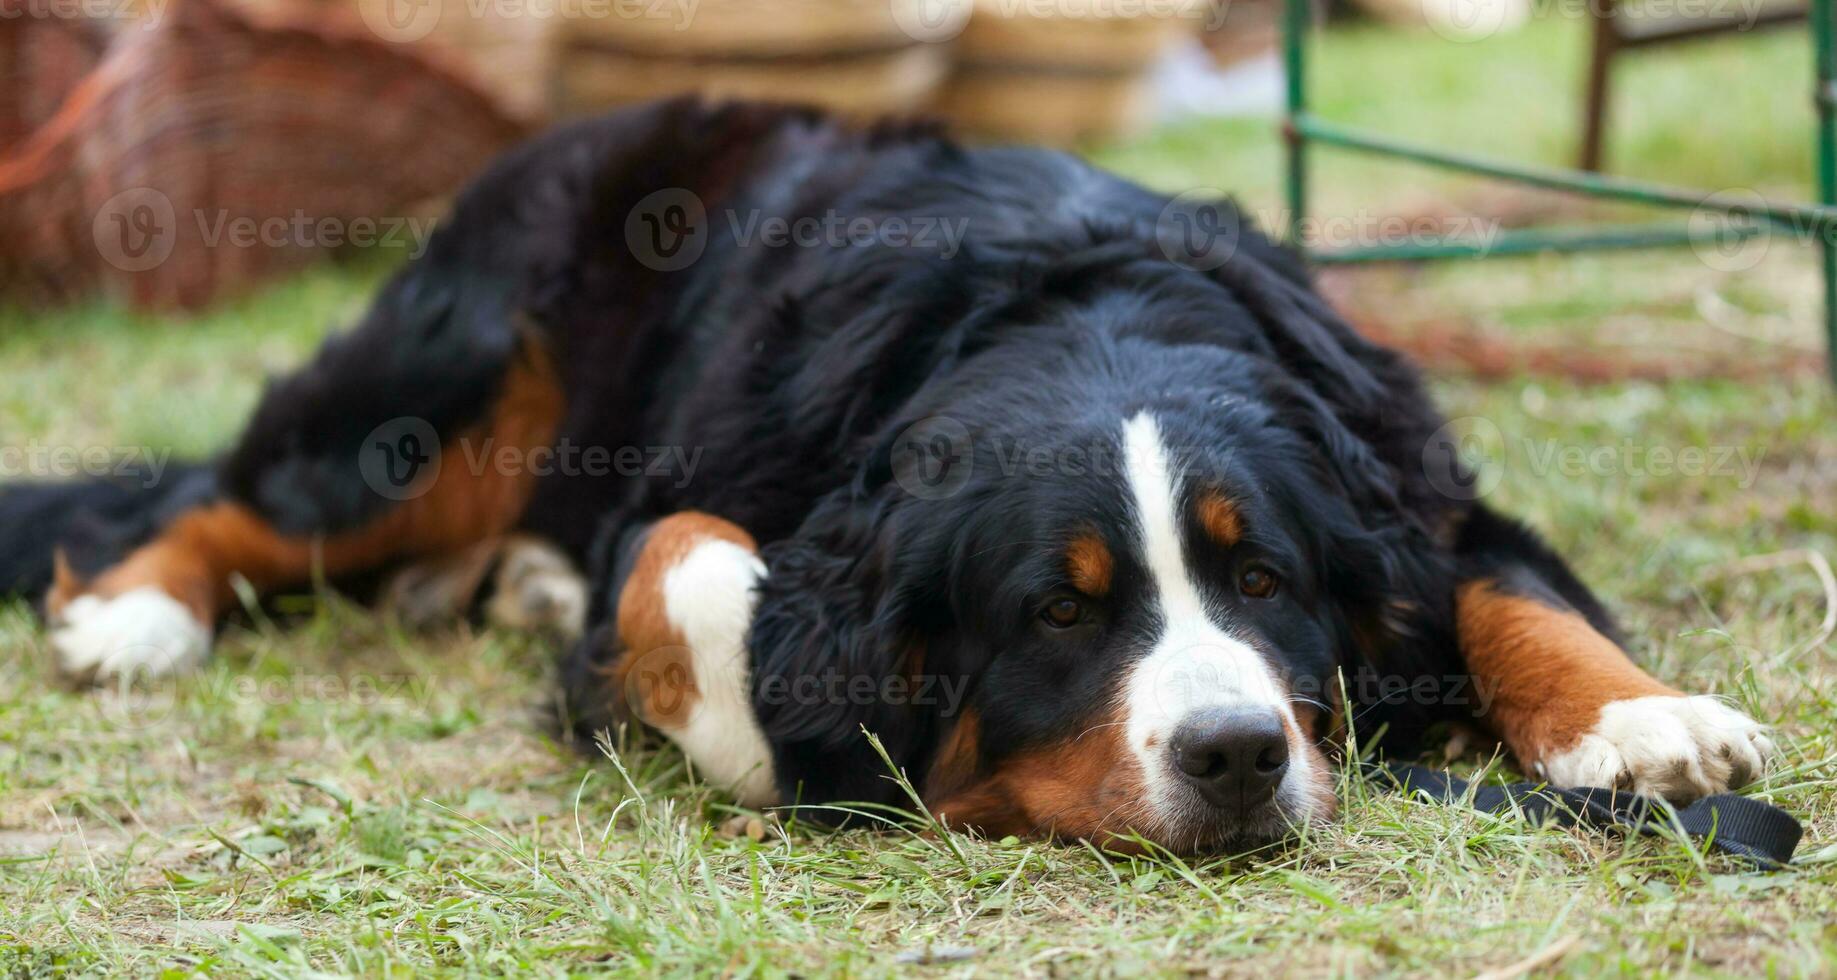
1257,583
1062,613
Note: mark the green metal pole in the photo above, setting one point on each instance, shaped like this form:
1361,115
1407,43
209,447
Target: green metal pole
1295,17
1826,98
1528,242
1820,217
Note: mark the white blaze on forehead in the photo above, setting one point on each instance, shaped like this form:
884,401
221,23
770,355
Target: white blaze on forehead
1194,663
1152,485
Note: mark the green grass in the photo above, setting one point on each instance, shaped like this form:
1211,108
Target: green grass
340,797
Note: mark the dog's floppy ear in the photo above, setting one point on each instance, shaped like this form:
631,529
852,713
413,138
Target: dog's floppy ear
1360,379
1379,565
1333,384
836,644
1339,456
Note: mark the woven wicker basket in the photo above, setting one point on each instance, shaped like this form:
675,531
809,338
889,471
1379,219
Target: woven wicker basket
1080,37
41,60
207,118
507,48
1041,107
504,47
1026,72
848,55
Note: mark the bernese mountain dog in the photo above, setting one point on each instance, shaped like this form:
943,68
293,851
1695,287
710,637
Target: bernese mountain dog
1072,501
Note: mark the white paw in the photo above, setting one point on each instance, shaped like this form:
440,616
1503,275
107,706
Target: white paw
139,634
1680,748
537,589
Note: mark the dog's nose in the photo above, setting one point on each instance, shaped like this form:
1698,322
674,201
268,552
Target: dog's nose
1235,757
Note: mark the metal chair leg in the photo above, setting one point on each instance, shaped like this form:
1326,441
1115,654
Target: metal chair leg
1600,70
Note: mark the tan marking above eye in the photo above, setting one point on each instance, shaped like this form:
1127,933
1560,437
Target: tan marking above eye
1089,564
1219,518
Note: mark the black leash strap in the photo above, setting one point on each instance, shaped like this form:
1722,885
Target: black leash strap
1761,832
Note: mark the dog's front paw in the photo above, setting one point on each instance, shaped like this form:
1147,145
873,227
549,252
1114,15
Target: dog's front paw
1676,747
140,634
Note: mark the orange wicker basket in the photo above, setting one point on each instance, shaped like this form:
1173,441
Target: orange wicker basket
208,150
1061,76
41,60
853,56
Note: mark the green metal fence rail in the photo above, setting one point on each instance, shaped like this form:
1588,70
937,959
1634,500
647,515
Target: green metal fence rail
1744,217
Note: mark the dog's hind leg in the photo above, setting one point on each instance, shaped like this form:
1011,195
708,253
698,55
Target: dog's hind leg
455,364
1556,686
320,486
